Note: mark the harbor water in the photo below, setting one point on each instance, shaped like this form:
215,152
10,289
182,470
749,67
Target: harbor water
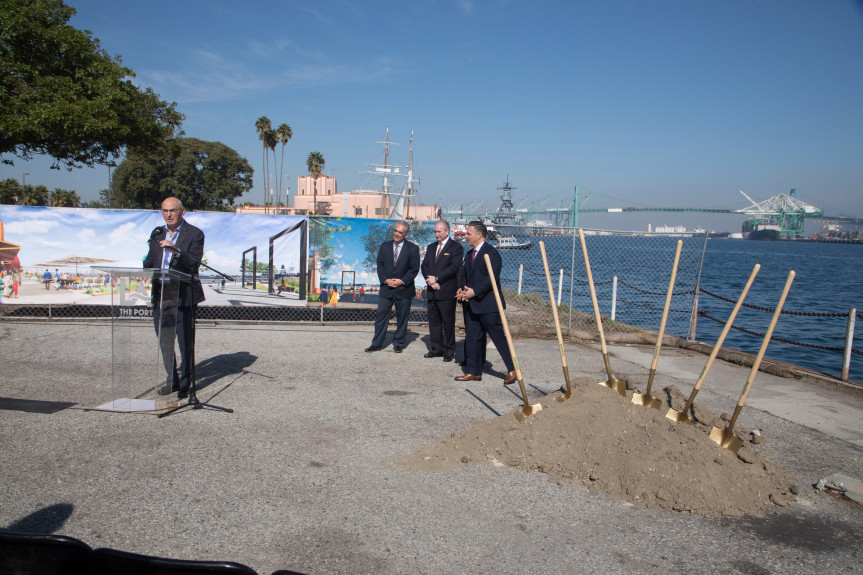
829,281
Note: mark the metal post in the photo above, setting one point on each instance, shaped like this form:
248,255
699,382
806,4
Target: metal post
559,287
572,268
614,298
693,318
520,272
849,343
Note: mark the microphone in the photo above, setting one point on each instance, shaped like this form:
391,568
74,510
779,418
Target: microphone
154,233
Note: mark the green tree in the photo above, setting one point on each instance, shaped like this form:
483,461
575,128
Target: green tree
60,198
35,196
419,232
315,162
285,134
272,140
203,175
62,95
262,126
10,191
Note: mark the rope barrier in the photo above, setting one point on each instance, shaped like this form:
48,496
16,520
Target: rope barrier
788,341
692,291
771,310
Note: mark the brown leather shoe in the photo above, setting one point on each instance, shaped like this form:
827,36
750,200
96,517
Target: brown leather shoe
511,377
468,377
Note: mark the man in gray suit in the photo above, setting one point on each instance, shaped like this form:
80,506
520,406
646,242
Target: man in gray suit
398,264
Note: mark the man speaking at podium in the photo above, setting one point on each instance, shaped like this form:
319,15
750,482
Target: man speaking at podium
178,245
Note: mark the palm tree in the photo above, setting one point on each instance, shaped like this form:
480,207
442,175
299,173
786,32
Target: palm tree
315,162
285,134
261,126
272,141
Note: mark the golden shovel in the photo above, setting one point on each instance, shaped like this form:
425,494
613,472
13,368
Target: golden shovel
646,399
528,409
683,416
568,393
611,382
725,437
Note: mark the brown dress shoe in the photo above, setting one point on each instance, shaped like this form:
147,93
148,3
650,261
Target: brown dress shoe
511,377
468,377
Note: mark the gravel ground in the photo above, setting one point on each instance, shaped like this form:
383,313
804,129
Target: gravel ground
302,474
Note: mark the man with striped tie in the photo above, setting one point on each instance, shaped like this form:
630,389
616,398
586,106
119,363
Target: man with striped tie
440,268
398,264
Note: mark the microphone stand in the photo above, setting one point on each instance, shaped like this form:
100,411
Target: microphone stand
194,402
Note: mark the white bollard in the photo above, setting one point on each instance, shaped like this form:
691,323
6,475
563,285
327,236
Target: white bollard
559,287
849,343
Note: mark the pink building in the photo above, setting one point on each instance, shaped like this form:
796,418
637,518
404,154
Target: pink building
329,202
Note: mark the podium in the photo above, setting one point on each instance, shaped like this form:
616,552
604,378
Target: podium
142,354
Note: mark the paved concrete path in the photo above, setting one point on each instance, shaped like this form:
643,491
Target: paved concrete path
302,474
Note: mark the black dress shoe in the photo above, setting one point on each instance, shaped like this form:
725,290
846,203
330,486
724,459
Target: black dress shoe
397,349
183,393
432,354
168,389
447,358
372,348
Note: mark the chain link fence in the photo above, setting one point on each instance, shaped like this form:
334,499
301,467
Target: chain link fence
630,270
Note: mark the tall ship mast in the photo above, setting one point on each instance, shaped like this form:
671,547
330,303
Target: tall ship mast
400,208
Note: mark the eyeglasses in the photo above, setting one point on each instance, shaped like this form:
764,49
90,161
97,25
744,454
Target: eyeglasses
174,211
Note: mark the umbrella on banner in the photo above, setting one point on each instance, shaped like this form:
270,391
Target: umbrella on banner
74,260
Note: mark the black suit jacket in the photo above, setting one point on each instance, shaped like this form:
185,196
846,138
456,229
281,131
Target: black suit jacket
476,277
406,269
191,245
445,269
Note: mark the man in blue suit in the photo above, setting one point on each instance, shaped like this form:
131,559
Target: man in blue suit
398,264
481,315
440,268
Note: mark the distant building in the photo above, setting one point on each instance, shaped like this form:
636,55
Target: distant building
329,202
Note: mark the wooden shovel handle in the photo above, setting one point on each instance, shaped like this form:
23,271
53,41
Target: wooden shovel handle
667,306
718,345
553,304
766,339
593,294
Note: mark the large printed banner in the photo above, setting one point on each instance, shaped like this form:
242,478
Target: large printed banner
342,251
56,238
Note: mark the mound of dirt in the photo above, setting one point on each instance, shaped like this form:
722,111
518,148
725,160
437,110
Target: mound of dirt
629,452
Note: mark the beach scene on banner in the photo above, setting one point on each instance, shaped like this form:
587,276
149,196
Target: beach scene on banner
60,255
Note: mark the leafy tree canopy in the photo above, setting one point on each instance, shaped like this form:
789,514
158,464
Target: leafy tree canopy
203,175
11,192
62,95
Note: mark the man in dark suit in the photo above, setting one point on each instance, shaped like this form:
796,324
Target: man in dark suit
440,269
398,264
178,245
481,315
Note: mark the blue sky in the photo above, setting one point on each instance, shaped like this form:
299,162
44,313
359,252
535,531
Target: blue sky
648,103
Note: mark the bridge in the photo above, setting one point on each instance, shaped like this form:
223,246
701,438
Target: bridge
783,212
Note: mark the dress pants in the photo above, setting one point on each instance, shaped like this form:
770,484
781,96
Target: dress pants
441,316
382,319
476,328
176,321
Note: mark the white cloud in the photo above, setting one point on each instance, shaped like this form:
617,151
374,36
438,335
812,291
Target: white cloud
86,234
30,228
123,234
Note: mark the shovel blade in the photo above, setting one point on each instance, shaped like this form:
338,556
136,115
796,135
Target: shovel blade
527,411
726,438
646,400
678,416
619,385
